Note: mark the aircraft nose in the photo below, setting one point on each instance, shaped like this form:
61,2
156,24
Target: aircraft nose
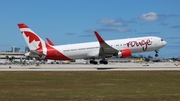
164,43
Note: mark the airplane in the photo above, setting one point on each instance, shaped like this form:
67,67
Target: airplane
122,48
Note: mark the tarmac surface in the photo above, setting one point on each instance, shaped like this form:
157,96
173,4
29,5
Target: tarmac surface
89,67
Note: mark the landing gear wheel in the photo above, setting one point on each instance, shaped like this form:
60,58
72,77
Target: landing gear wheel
156,55
103,62
93,62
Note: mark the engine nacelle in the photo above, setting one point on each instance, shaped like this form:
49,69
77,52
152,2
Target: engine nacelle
124,53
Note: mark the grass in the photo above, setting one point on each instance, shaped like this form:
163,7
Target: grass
90,86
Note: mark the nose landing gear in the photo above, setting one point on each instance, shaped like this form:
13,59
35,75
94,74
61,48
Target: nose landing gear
156,55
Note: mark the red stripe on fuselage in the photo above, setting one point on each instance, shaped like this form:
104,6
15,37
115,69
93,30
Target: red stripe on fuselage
55,54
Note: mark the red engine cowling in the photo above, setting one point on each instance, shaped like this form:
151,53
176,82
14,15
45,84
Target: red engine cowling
124,53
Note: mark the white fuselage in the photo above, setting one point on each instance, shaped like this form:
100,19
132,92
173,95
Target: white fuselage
90,49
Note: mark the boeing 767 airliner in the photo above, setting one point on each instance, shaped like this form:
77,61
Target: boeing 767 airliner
120,47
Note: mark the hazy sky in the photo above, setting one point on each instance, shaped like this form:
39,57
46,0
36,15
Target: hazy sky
73,21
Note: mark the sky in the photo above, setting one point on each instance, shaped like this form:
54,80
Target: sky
73,21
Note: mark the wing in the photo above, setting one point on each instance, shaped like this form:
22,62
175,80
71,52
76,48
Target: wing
105,49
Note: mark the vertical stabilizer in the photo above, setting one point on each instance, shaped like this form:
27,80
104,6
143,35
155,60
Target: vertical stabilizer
33,41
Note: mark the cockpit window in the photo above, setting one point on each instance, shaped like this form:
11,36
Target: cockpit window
162,40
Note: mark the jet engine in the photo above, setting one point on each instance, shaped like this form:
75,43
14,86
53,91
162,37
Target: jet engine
123,53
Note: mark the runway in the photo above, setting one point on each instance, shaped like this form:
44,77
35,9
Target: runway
90,67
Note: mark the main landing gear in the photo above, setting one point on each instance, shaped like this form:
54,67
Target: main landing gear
103,61
93,62
156,55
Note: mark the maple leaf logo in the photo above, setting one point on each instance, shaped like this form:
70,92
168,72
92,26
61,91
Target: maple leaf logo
32,40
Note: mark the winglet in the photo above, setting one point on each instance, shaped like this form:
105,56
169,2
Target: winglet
101,41
105,49
50,42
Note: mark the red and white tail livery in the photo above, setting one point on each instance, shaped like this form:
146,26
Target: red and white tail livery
120,47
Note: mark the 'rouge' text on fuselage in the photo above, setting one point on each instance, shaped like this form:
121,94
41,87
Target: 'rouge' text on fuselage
143,43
